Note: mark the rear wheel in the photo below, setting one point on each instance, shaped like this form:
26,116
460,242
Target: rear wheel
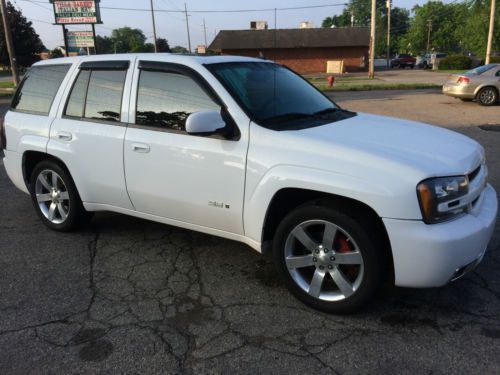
55,197
327,259
487,96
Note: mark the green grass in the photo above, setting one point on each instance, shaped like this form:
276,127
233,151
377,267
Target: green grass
449,71
6,85
379,86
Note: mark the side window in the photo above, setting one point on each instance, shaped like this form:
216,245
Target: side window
39,88
166,99
97,95
498,73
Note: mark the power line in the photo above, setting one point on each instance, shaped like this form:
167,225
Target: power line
212,11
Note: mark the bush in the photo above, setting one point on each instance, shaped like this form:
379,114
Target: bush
495,59
455,62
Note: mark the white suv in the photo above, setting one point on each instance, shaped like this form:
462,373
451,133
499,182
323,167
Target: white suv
246,149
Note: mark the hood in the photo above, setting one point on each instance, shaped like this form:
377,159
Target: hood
430,150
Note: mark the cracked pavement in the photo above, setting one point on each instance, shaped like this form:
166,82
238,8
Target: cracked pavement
124,295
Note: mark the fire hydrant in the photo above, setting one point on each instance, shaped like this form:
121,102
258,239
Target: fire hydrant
331,80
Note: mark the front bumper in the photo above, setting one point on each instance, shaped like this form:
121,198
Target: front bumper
432,255
458,91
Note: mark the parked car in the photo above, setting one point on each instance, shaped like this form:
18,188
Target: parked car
481,84
246,149
427,61
402,61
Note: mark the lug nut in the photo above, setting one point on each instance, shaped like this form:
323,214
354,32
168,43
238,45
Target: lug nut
330,267
316,251
315,259
332,258
326,251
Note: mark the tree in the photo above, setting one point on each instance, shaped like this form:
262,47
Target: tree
56,53
27,43
162,45
179,49
104,44
126,39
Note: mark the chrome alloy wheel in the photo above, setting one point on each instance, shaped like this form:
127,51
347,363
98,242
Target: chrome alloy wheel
487,96
324,260
52,196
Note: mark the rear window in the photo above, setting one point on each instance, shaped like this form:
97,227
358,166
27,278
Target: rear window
39,88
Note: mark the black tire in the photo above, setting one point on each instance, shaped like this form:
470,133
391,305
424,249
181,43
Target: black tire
373,260
76,213
487,96
412,66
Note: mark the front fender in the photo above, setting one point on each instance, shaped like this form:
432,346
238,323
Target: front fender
384,201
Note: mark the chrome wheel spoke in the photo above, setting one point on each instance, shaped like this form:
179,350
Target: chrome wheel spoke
63,213
353,257
316,283
299,261
44,182
304,238
52,211
54,180
43,197
341,281
329,235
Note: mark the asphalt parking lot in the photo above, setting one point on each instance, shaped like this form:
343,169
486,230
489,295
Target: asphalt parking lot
129,296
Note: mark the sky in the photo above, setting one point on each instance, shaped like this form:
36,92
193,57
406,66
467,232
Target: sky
172,26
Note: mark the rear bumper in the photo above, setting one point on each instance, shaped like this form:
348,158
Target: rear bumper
13,163
432,255
458,91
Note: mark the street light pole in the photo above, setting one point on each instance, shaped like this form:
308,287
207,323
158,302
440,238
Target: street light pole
10,45
429,25
371,72
187,26
490,33
388,33
154,26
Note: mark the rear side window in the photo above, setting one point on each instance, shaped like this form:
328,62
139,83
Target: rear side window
97,95
166,99
39,88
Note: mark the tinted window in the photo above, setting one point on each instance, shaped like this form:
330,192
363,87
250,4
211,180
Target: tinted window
276,97
39,88
104,95
165,100
482,69
76,100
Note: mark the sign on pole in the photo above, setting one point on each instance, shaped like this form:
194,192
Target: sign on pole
80,39
76,12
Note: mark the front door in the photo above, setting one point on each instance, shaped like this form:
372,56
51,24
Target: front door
169,173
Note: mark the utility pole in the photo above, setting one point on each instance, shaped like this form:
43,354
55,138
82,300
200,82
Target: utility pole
187,26
10,46
429,25
154,26
371,72
490,33
388,33
205,31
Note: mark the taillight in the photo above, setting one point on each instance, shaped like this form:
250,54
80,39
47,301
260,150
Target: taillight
463,80
3,138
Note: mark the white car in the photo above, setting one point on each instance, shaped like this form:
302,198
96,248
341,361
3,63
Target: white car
246,149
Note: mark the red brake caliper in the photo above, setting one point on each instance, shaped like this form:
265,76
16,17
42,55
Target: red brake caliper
342,244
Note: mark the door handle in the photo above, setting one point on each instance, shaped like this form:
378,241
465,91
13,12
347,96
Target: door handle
141,148
64,136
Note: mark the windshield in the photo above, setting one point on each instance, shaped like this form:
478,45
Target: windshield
276,97
481,69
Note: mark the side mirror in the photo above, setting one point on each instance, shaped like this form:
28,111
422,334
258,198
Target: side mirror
205,123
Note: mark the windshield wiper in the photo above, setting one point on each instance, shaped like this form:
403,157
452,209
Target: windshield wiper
327,111
290,116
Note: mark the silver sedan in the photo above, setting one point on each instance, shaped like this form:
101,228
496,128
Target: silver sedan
481,84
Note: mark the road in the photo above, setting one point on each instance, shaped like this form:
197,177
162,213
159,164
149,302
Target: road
129,296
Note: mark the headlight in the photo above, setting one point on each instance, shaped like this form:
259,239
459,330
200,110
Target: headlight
432,193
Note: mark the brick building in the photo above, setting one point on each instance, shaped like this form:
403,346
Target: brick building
303,50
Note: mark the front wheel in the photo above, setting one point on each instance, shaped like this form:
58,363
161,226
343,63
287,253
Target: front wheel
327,259
55,197
487,96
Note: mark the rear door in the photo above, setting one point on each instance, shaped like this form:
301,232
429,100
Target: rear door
88,134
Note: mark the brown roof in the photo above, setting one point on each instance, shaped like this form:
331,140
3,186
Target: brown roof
291,38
